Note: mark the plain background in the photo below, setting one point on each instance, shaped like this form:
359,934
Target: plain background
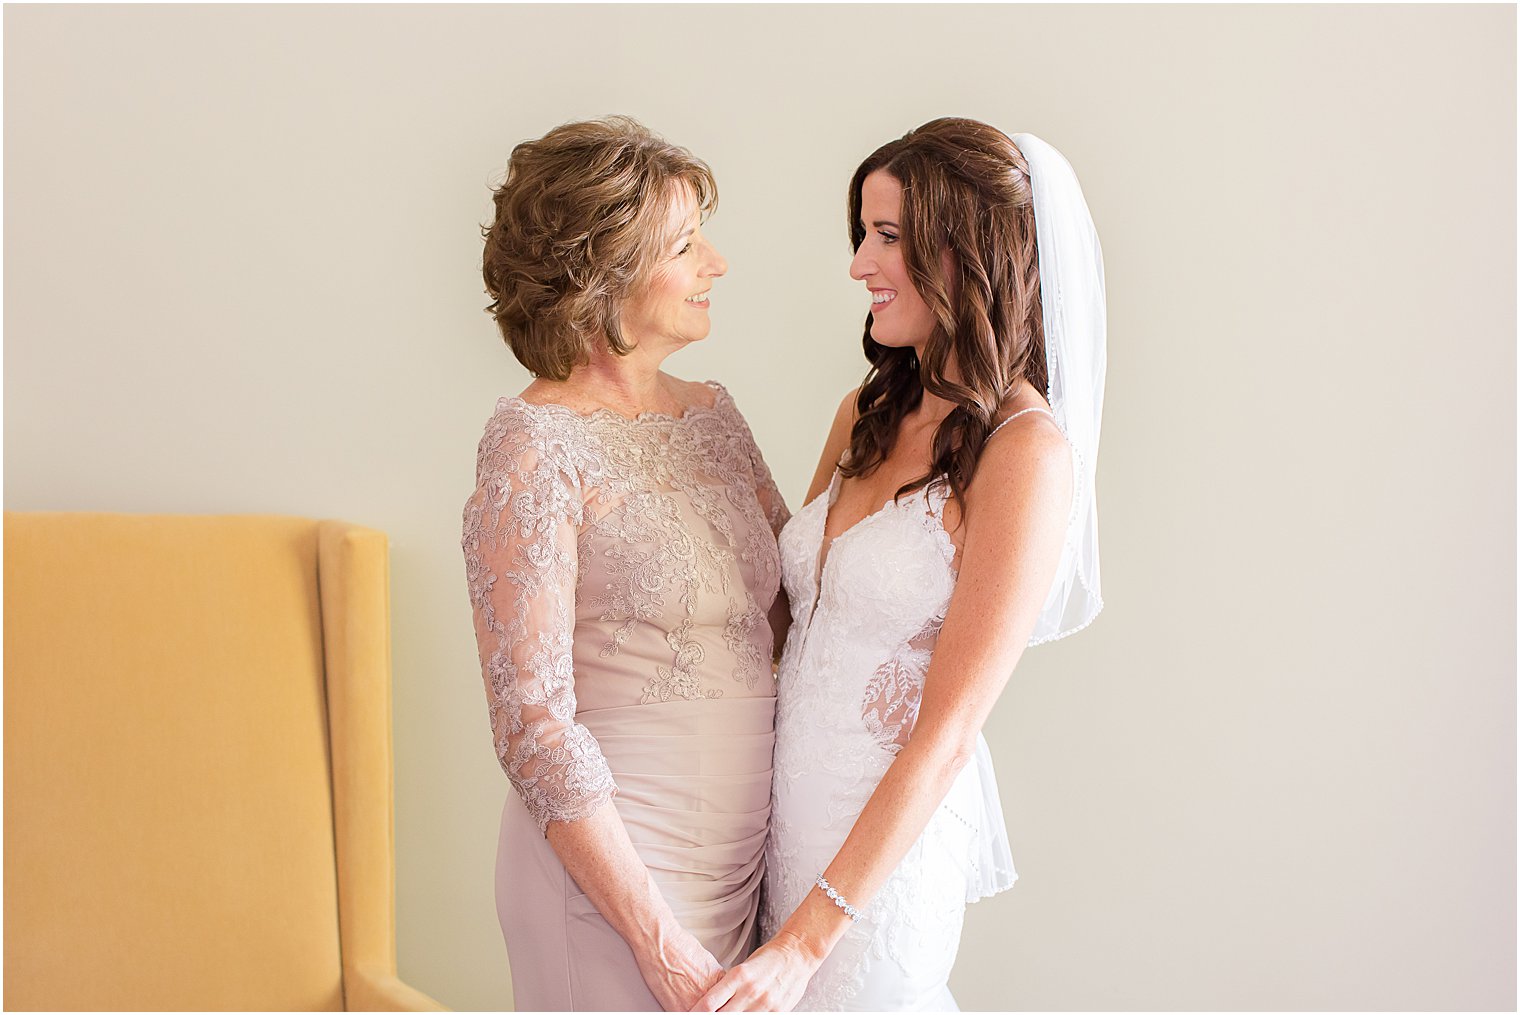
241,272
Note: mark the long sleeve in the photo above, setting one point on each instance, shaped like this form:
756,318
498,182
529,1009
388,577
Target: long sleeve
519,544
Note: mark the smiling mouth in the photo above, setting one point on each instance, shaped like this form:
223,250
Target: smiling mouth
881,297
699,300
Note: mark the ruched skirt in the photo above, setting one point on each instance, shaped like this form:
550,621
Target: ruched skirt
694,791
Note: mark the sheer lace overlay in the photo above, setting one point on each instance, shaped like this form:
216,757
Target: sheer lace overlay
890,706
614,562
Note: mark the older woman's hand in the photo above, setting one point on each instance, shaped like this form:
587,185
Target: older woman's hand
772,979
682,971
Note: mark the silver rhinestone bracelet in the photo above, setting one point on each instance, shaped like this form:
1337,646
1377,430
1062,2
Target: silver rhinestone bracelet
828,889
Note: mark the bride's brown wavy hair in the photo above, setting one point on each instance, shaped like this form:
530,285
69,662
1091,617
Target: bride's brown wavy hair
965,190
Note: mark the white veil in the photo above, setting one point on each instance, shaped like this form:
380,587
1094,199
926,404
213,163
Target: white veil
1076,331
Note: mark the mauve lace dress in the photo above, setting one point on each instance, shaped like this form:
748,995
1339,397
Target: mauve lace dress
621,571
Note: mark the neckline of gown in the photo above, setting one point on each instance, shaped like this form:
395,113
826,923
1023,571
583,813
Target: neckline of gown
826,546
689,414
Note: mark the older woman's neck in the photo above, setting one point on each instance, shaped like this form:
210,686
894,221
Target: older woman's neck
628,384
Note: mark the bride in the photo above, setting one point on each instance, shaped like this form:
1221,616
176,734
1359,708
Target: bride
952,522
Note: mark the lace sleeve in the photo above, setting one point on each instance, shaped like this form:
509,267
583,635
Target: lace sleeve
519,543
769,496
771,501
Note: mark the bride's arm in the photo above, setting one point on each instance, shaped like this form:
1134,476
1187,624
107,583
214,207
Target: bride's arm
1015,517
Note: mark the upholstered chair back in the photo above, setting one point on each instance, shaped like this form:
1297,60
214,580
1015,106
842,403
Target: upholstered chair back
172,818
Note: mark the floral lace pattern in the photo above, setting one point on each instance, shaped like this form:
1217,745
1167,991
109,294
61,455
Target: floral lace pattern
890,706
864,627
612,562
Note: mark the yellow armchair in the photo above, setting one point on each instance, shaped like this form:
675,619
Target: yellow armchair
198,807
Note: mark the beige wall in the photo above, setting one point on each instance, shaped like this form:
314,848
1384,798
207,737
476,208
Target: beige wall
241,275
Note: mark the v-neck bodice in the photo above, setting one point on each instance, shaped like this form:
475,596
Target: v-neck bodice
921,511
934,494
866,617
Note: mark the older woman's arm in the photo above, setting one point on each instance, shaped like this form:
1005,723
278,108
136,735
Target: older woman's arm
777,515
1015,518
520,558
598,854
773,506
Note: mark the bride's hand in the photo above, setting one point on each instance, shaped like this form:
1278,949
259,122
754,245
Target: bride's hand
772,979
682,971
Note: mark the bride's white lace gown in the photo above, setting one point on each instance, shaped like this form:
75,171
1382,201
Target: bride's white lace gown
864,626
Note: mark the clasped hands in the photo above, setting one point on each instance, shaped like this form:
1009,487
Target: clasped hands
772,979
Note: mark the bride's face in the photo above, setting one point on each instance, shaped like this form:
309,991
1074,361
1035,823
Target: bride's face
899,316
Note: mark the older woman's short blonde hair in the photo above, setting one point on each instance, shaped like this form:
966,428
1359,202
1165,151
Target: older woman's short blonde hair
579,228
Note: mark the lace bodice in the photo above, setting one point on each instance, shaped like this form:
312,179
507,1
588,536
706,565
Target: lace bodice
614,562
864,627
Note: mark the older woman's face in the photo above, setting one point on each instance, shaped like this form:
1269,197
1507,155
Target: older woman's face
672,312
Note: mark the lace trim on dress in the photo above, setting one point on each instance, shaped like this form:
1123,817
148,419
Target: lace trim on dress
895,691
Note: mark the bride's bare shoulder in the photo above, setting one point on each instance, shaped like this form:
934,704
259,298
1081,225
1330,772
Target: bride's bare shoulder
1026,456
845,414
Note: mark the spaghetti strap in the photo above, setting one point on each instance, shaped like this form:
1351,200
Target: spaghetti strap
1010,419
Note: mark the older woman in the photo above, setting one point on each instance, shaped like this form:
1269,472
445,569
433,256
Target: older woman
621,557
